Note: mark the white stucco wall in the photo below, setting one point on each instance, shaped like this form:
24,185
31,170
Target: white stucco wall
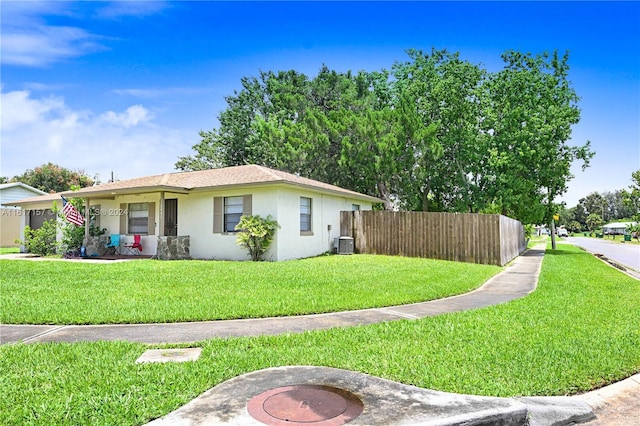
195,219
110,219
325,217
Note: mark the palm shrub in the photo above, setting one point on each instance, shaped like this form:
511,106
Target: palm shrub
256,233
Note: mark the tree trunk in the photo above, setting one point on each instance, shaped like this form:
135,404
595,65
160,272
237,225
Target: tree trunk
385,195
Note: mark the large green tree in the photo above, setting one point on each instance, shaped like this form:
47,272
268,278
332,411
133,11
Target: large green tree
336,127
439,96
593,203
531,107
435,133
53,178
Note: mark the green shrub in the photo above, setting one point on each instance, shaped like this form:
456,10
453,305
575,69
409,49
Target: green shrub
72,238
41,241
73,235
256,234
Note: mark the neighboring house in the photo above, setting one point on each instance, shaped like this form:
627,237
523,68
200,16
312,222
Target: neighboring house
616,228
193,214
10,217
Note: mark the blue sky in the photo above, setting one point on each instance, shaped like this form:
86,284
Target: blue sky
126,86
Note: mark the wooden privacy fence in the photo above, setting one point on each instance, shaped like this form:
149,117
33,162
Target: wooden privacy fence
465,237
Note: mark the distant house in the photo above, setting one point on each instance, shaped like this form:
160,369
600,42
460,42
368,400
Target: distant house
616,228
10,217
193,214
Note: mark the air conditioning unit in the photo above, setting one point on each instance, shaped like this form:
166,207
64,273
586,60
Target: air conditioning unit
344,245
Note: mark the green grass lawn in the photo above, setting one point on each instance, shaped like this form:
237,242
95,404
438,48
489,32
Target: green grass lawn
579,330
147,291
9,250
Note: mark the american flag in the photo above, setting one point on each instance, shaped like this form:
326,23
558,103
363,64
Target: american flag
71,213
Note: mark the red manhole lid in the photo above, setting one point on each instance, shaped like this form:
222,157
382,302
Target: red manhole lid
305,405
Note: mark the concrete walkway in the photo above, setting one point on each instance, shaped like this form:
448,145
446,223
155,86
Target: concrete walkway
614,405
516,281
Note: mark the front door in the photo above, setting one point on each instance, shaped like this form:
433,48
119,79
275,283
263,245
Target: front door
171,217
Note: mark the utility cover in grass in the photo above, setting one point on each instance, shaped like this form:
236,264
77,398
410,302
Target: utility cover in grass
169,355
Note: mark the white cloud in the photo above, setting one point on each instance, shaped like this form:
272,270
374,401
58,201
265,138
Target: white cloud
164,92
139,93
27,40
136,8
42,45
133,116
36,131
18,109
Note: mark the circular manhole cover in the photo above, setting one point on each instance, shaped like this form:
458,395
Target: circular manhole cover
305,405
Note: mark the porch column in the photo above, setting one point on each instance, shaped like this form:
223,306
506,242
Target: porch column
161,215
87,220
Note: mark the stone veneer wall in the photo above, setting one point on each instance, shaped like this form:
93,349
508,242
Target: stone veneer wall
96,246
173,248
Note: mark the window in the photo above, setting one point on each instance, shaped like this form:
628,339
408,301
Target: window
138,218
232,213
355,207
305,214
227,212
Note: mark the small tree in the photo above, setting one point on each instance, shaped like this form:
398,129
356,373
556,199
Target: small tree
574,226
256,234
594,221
634,230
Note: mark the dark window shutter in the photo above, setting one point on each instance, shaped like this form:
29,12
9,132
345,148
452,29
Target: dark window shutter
151,227
246,205
217,215
123,218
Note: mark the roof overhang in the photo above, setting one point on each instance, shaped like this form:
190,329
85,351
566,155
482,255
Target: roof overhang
110,194
284,183
43,201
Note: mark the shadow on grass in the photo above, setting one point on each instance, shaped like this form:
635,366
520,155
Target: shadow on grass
560,251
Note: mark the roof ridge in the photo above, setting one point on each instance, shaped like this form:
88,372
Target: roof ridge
269,171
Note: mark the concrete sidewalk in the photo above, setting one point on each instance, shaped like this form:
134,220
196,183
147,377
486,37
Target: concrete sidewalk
617,404
517,280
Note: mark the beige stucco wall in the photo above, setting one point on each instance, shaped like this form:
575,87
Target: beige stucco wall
11,221
23,219
10,225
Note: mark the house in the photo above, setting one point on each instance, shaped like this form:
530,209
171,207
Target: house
10,217
193,214
616,228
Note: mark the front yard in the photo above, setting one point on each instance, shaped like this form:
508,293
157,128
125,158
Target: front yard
146,291
579,330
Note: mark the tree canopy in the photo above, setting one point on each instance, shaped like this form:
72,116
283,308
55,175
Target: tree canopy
53,178
432,133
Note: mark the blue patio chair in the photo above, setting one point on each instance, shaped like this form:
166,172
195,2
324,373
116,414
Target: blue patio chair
114,244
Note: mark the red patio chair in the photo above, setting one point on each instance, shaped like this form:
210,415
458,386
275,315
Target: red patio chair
135,247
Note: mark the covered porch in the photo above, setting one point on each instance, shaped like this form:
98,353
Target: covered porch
126,217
